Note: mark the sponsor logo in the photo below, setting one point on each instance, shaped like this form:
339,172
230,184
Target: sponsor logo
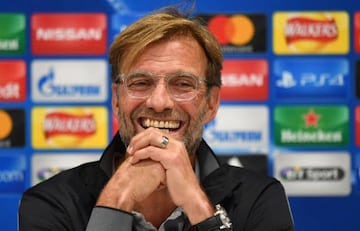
12,34
244,80
63,123
47,172
238,33
311,32
12,81
357,126
357,32
311,126
69,81
69,127
12,174
314,173
69,34
312,78
12,129
299,173
46,165
233,130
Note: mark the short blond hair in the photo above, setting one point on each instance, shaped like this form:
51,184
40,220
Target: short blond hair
163,25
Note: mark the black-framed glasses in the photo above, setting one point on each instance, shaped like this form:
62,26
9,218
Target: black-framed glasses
180,86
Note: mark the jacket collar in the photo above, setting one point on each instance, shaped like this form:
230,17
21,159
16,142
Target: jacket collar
116,149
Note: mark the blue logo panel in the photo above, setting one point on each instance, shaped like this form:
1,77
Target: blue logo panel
12,174
311,79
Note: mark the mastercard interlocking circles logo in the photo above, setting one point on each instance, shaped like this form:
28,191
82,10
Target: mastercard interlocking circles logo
238,33
236,29
6,124
12,128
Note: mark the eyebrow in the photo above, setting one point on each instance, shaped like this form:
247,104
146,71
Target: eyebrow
172,73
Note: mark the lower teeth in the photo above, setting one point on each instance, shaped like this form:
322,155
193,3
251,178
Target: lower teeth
165,130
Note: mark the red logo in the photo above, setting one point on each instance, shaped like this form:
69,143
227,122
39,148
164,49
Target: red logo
69,34
311,119
12,81
302,28
58,123
357,126
244,80
357,32
235,29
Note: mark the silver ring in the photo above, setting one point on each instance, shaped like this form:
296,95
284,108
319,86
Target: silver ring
164,142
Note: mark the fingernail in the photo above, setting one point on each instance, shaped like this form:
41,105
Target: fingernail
129,150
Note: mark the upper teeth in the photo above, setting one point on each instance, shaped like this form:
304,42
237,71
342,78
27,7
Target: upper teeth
160,124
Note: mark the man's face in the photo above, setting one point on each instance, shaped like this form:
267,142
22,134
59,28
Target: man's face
182,120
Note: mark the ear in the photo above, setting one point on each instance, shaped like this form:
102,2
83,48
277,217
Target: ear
213,104
115,99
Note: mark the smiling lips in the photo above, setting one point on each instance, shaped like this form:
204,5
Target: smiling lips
161,124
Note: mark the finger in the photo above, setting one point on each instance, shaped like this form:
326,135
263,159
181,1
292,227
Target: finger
174,155
149,152
149,137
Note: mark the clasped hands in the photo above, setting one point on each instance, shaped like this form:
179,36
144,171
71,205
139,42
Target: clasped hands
154,163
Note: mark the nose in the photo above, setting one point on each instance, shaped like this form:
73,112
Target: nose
160,100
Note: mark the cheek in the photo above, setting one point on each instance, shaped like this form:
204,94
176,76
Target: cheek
194,110
127,105
124,102
129,108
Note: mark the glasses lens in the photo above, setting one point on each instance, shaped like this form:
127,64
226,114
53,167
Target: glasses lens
139,85
182,87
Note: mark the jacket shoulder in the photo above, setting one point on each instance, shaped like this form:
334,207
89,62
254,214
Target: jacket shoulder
70,196
239,175
237,185
254,201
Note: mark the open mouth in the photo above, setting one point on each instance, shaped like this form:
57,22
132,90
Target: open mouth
166,126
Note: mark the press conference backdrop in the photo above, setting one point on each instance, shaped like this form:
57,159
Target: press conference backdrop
290,98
